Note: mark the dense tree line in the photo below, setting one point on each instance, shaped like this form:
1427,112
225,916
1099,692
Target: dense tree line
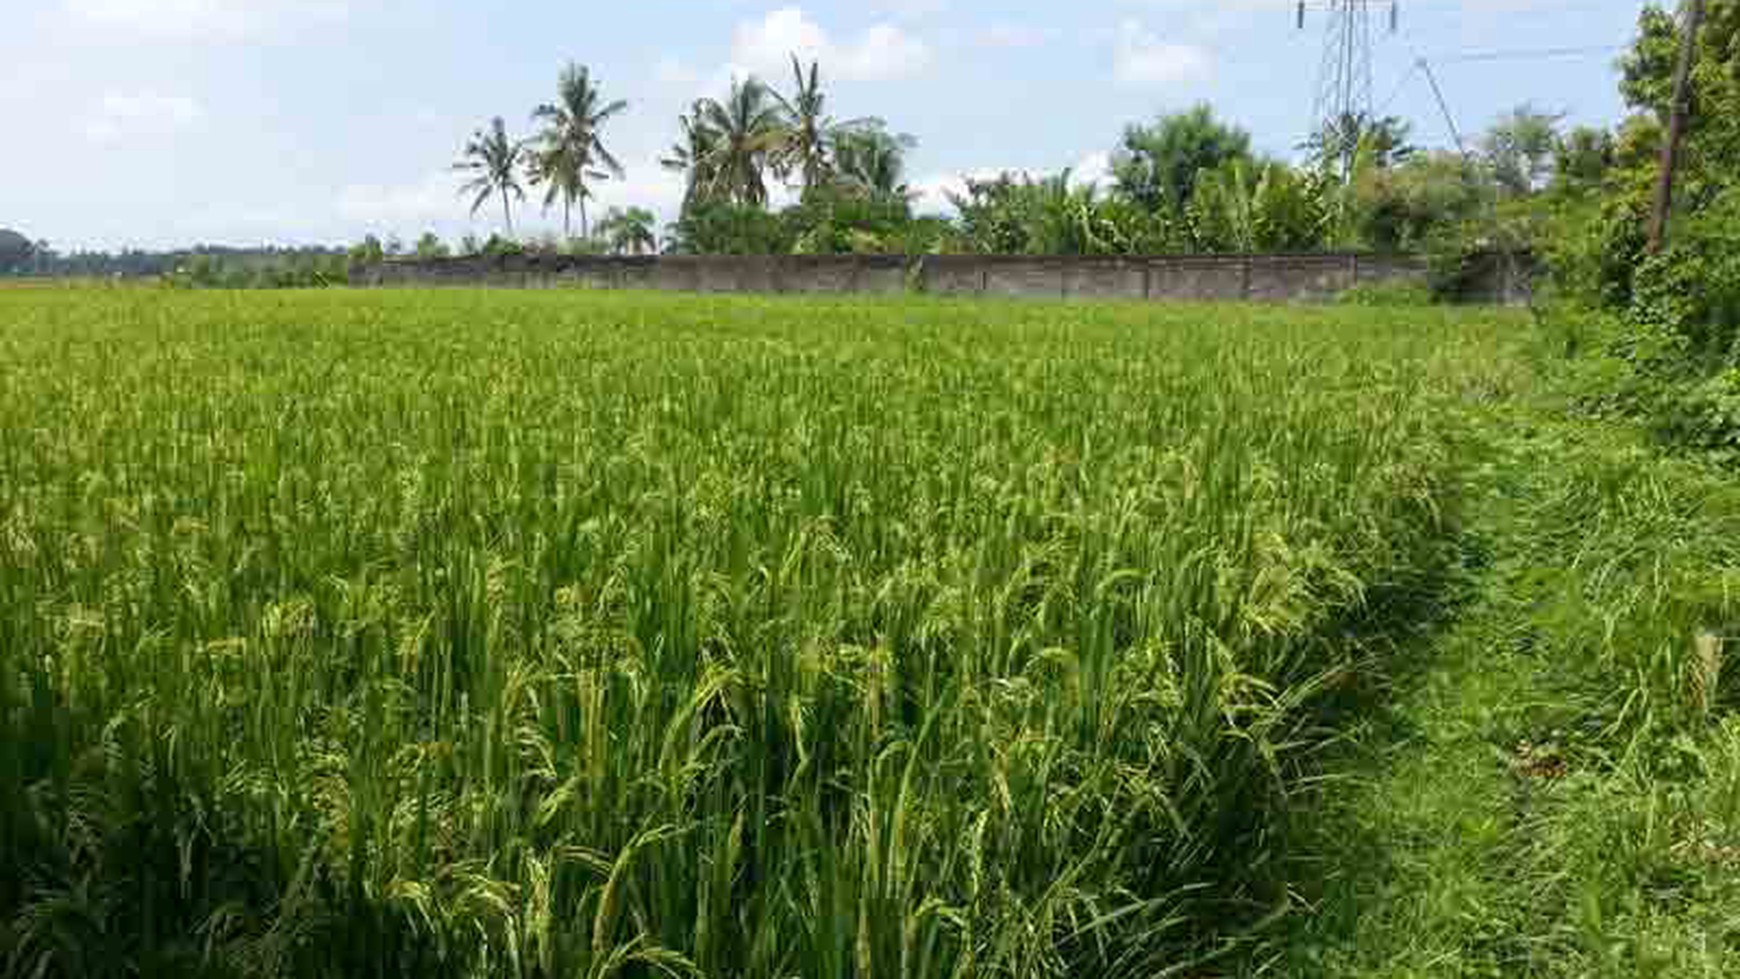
1658,330
202,265
1184,182
848,175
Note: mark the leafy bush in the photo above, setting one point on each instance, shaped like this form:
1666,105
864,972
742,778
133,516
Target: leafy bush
845,221
369,251
729,229
1020,215
430,246
305,271
499,246
1692,288
1676,348
1266,207
1401,208
1707,414
1388,294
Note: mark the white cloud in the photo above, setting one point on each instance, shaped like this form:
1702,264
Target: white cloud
1140,57
428,117
1094,169
766,46
1196,8
931,194
1186,6
433,199
121,116
912,9
886,52
648,185
1012,36
204,20
672,71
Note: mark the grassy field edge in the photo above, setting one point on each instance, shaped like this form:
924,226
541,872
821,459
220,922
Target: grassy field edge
1553,788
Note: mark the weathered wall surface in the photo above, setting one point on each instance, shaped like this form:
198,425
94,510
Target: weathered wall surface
1257,278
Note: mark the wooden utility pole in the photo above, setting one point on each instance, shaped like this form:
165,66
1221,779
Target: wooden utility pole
1670,150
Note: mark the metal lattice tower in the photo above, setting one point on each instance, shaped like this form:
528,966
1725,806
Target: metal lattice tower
1344,99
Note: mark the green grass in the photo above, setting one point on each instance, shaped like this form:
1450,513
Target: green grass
1553,788
537,634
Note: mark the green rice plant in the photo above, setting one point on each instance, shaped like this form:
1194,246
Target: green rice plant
545,634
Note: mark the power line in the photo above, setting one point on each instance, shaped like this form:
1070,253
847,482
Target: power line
1443,106
1509,13
1477,56
1456,6
1401,86
1344,85
1534,53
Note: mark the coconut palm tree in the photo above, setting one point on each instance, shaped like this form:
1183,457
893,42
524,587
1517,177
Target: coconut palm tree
629,231
807,143
747,132
870,158
493,160
694,156
553,167
570,149
1335,146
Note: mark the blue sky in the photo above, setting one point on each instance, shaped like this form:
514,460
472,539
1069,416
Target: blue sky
159,123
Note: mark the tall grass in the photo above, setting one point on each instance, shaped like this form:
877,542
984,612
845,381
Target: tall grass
542,635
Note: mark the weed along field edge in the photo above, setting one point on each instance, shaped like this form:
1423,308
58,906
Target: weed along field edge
558,633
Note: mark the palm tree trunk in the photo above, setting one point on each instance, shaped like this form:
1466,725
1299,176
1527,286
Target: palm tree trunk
583,232
507,215
567,205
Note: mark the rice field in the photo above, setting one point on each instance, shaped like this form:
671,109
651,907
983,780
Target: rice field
544,634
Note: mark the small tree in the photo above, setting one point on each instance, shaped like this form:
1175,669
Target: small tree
1157,165
727,228
743,136
810,137
431,247
1360,139
629,232
15,250
570,150
1521,147
870,159
1404,207
368,251
493,160
1245,207
1583,157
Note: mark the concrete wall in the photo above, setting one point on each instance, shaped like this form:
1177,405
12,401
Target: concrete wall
1105,278
1259,278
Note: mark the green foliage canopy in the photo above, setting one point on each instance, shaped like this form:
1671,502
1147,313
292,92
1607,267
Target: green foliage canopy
15,250
1157,165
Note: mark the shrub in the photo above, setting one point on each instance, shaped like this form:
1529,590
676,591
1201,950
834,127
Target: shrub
1692,289
497,246
1388,294
1707,414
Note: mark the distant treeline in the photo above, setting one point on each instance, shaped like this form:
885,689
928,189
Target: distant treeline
202,265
